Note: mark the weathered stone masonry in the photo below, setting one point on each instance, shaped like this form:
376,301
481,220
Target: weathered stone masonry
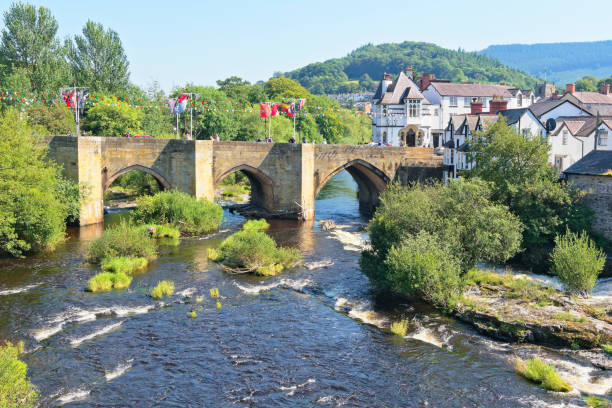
285,178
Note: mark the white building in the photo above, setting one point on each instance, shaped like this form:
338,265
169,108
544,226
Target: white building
400,113
575,137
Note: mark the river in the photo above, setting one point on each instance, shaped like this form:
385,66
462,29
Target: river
307,338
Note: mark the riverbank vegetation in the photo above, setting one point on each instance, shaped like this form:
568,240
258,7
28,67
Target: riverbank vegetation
544,374
251,250
182,211
429,241
35,200
15,388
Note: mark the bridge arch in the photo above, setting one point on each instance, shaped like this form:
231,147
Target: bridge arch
370,180
108,180
262,185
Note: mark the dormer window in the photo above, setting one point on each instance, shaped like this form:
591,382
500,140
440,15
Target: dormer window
603,137
414,108
564,136
519,100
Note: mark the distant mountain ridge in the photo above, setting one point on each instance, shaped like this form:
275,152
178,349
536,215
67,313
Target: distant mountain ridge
557,62
361,69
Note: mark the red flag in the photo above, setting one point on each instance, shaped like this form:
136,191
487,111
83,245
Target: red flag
274,110
264,110
182,98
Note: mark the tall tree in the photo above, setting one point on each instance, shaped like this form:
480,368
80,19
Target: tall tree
29,46
98,59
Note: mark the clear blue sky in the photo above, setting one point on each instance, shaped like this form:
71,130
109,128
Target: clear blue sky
201,41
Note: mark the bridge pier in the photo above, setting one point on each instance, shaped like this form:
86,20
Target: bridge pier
285,178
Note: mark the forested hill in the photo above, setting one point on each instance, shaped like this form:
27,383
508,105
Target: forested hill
361,69
558,62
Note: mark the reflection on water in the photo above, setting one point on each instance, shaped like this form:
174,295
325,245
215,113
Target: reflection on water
310,337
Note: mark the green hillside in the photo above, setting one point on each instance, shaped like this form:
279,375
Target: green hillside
558,62
361,69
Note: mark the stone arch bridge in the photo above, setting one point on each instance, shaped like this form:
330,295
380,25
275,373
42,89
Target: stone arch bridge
285,178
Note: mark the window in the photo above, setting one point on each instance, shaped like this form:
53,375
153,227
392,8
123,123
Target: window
526,132
467,102
603,137
414,108
437,112
564,135
453,101
384,138
519,100
484,102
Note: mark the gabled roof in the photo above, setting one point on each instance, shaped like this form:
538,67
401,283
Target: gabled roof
457,121
596,163
488,119
379,93
581,126
592,97
477,90
513,115
401,89
540,108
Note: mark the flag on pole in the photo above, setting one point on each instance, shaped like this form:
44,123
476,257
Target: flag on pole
274,110
69,98
288,109
181,103
83,97
264,110
171,104
300,105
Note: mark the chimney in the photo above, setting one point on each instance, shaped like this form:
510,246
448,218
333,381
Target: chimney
498,103
409,71
475,106
426,80
604,89
570,88
386,82
386,77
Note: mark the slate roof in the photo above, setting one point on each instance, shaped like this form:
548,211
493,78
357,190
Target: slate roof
596,163
457,121
400,90
581,126
593,97
540,108
478,90
513,115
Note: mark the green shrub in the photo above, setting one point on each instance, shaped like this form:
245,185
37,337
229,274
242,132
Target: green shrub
607,348
252,250
256,225
16,391
577,261
163,288
460,214
538,371
121,240
106,281
597,402
190,216
32,212
422,266
124,265
139,181
235,190
399,328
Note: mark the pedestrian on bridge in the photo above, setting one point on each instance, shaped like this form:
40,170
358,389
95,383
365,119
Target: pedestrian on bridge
292,139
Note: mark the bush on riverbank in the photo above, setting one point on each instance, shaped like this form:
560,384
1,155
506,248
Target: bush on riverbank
105,281
15,389
422,266
33,206
124,265
538,371
399,328
163,288
121,240
522,178
190,216
577,262
425,236
252,250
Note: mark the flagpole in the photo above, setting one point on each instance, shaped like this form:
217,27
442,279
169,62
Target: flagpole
294,118
270,123
78,128
177,126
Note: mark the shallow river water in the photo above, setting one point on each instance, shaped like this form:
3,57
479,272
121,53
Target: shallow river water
308,338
